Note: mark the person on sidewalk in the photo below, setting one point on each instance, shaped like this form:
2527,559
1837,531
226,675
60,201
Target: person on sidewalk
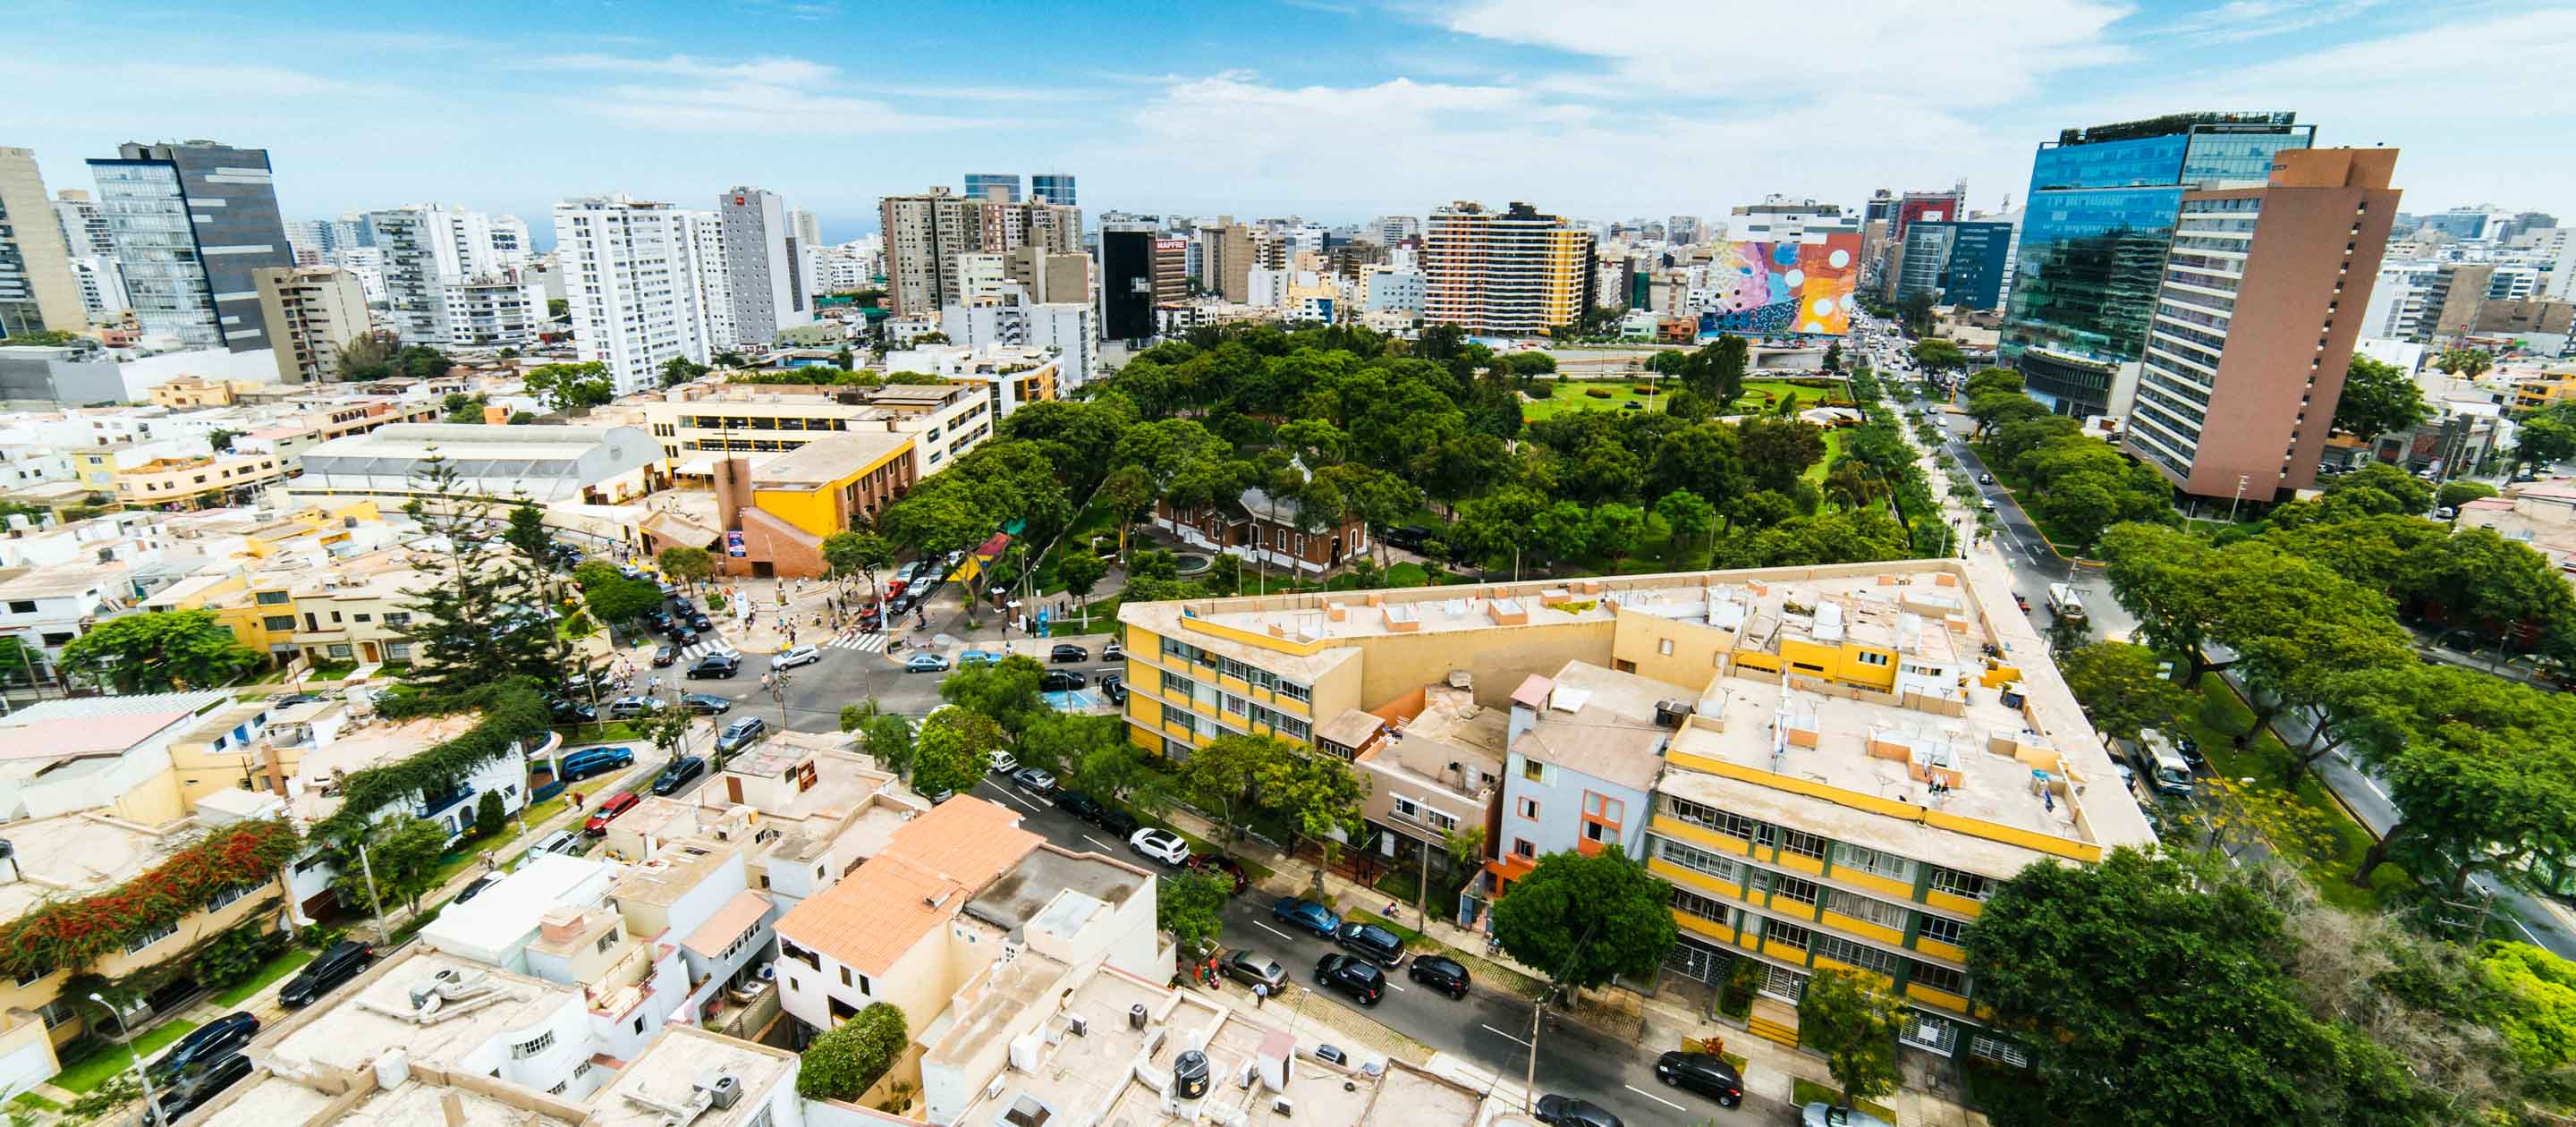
1260,992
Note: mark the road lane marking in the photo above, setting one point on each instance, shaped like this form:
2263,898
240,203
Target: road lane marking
1006,793
1392,982
1505,1036
1100,843
1274,931
1654,1097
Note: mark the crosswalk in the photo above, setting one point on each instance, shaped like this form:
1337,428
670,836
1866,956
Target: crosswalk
695,650
864,643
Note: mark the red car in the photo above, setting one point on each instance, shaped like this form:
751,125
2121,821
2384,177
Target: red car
1222,868
608,812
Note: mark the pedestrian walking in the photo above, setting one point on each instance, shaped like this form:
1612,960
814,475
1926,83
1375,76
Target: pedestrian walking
657,685
1260,993
490,864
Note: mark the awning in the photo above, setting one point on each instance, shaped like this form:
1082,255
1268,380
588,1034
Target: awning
672,528
728,924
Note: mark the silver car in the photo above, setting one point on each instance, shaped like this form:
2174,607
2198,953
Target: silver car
793,656
1827,1115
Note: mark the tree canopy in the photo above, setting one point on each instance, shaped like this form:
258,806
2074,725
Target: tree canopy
161,651
1584,920
843,1062
2378,399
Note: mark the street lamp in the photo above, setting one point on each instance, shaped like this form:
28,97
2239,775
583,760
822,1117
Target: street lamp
151,1107
2240,496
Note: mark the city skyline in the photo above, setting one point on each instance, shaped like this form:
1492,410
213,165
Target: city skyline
1493,100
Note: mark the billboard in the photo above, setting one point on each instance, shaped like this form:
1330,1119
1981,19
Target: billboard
1767,288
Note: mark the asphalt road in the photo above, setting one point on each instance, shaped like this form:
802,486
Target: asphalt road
1489,1027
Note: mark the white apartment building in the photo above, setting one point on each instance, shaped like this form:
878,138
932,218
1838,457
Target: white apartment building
507,308
1779,219
634,274
1070,328
1390,288
1389,230
764,265
102,287
428,250
715,282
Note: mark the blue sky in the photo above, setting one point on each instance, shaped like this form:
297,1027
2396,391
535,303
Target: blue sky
1331,109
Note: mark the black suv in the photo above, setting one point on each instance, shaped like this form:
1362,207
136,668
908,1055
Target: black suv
344,961
207,1042
1078,804
1364,983
1444,975
1059,680
678,774
716,665
191,1092
1068,652
1705,1073
1371,942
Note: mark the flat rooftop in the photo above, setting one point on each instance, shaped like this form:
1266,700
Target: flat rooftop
80,854
278,1101
679,867
370,746
1600,722
660,1077
1056,890
353,1027
57,580
829,459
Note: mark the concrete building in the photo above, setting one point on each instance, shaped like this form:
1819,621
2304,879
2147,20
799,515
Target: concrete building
1508,273
637,275
1054,188
764,267
2246,357
925,234
1069,328
1002,186
1389,288
1779,219
503,309
310,312
429,252
1128,266
944,420
85,230
191,221
1227,254
549,465
1171,269
101,282
1834,765
37,291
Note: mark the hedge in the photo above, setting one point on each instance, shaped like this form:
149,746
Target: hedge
77,932
512,711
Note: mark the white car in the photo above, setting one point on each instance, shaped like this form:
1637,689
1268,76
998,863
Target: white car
793,656
1161,845
1001,762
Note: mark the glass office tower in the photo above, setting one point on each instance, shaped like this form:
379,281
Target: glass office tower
2099,219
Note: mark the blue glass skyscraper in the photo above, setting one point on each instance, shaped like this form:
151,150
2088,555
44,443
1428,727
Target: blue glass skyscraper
2099,218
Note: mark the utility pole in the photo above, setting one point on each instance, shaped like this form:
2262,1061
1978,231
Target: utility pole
151,1107
368,869
2240,497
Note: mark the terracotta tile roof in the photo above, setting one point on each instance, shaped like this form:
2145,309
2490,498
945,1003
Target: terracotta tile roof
930,867
728,924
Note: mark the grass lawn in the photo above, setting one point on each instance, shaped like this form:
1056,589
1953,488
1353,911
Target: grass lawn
334,671
1759,395
281,966
110,1058
1833,448
612,731
1803,1091
2222,715
31,1100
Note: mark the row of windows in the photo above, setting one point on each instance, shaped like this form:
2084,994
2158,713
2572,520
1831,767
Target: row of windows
1869,909
1257,678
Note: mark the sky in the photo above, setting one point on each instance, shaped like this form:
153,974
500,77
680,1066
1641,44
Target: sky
1335,110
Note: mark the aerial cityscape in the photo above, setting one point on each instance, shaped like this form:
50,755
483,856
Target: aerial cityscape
790,565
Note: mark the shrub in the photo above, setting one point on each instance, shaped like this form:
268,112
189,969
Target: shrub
487,814
847,1059
1596,393
1542,390
1641,389
1742,978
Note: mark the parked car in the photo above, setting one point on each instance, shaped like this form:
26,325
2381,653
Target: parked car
659,620
1222,867
1705,1073
634,708
205,1043
677,775
1036,780
925,663
1371,942
1161,845
566,842
699,621
1355,977
793,656
719,666
1063,680
1078,804
476,887
972,658
1114,687
1001,762
596,760
192,1091
706,704
330,968
1297,911
1566,1111
742,734
1067,652
1113,651
608,810
681,634
1445,975
2189,749
570,711
1985,479
1822,1114
665,654
1253,969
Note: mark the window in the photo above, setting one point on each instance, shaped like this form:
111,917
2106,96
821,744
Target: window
1533,770
639,1027
1998,1050
1664,647
1801,842
264,598
151,937
30,977
531,1047
1522,848
845,976
279,622
1874,862
866,988
1941,929
1859,955
1937,978
1711,818
1698,860
607,941
1867,658
1695,904
1407,808
1866,909
1786,887
1957,883
340,651
398,619
56,1012
229,895
1439,821
1787,934
1527,808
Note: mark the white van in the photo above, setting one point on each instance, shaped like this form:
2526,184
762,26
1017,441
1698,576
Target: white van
2160,766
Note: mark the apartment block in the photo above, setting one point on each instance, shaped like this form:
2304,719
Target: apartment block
194,483
454,276
636,274
926,233
1227,256
37,289
2245,359
191,220
310,312
1832,766
943,420
763,263
1509,273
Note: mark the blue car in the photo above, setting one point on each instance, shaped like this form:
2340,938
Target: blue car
973,658
1297,911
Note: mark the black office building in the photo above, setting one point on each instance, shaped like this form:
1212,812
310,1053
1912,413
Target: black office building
1127,281
193,221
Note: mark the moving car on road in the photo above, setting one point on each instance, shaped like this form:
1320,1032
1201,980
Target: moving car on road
706,704
678,774
1705,1073
720,666
665,655
633,708
1062,680
1355,977
924,663
1113,651
793,656
330,968
1161,845
1566,1111
1068,653
1445,975
1297,911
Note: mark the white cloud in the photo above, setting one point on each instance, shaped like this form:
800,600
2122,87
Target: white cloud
2240,20
766,95
1975,54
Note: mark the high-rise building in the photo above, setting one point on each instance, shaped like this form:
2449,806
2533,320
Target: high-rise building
715,282
925,233
1228,253
1127,280
191,220
102,287
1779,219
427,250
635,272
1511,273
1049,277
1389,230
2245,357
808,229
1912,209
1171,269
763,267
85,233
983,185
310,312
1053,187
2098,221
1682,229
37,290
1959,262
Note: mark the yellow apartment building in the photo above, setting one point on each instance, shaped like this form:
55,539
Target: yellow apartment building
1850,757
194,483
943,420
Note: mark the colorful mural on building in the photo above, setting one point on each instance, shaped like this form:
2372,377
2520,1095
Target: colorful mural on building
1775,288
